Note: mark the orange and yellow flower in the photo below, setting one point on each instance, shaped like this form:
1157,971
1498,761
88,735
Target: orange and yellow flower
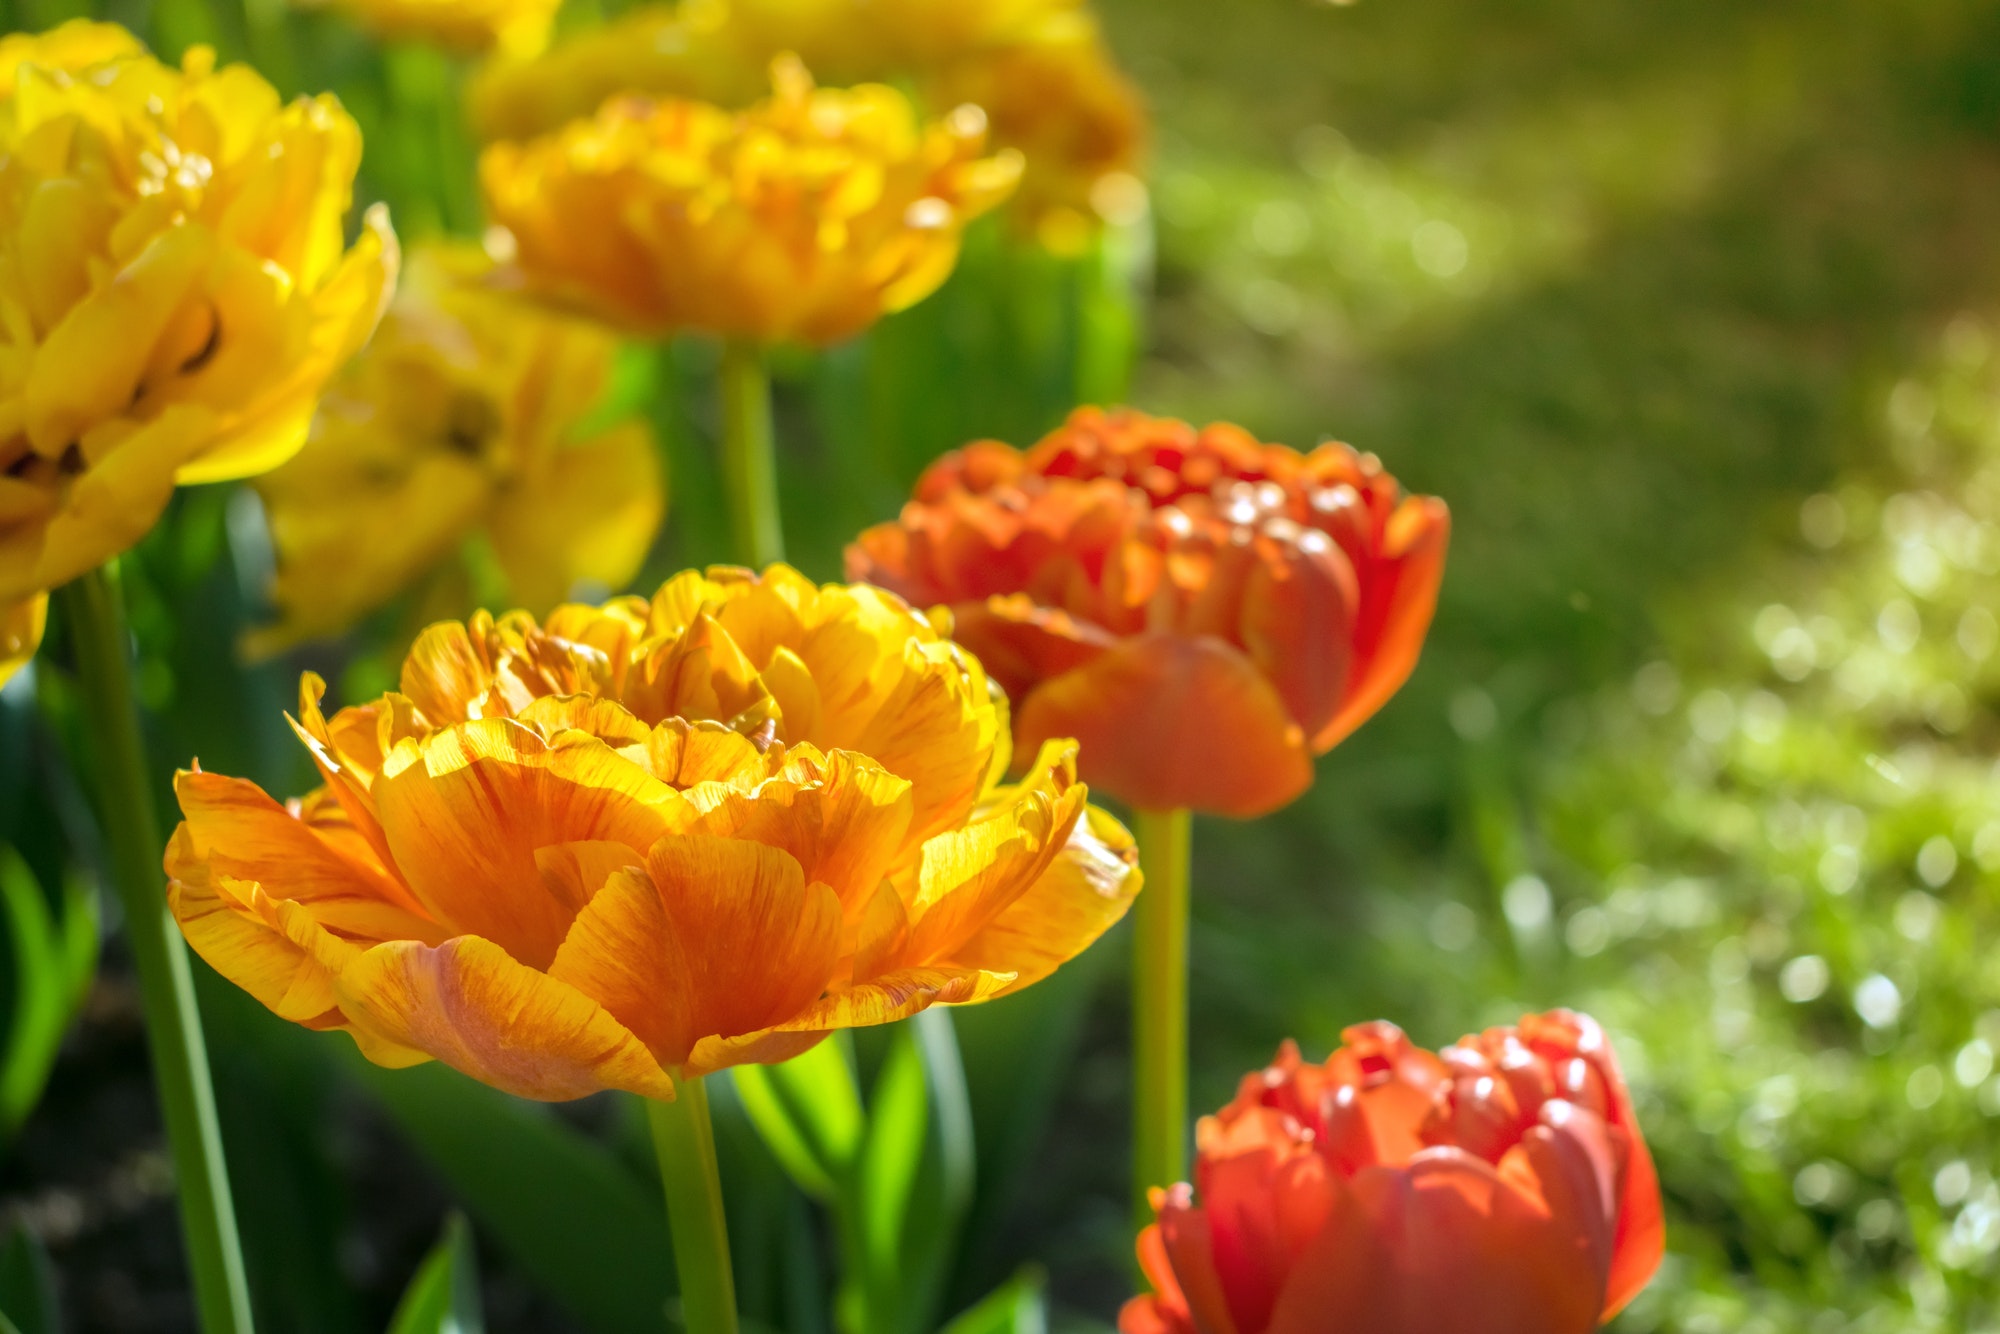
1039,68
459,420
175,287
1203,612
649,840
805,218
1499,1187
511,28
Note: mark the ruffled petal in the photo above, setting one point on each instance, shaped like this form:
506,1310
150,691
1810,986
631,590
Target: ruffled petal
470,1005
1399,595
715,938
465,810
243,834
970,876
1165,722
1082,894
882,1000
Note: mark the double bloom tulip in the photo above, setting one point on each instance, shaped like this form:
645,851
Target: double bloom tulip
1498,1187
175,288
1203,612
650,840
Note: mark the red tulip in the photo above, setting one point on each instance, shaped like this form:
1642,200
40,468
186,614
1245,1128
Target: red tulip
1499,1187
1204,613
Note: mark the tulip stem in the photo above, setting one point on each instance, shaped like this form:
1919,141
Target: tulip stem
684,1138
94,613
749,465
1160,1005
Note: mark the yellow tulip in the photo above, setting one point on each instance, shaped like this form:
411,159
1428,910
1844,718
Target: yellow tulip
641,842
517,28
805,218
174,285
1040,69
459,419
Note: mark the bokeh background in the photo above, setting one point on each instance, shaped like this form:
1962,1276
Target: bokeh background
1689,308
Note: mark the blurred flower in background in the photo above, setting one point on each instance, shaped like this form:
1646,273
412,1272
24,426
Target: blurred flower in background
176,287
464,420
651,840
1040,69
1204,612
509,28
805,218
1499,1187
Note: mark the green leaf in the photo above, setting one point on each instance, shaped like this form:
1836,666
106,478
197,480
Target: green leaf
443,1298
576,1220
52,965
28,1284
891,1157
808,1112
1015,1307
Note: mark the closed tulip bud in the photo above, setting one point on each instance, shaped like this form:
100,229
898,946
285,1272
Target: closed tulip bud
1203,612
1500,1186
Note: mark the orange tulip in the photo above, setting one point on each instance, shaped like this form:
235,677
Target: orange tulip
1202,612
646,841
1499,1187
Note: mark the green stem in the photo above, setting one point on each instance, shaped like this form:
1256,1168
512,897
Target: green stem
95,614
1160,1006
684,1137
749,465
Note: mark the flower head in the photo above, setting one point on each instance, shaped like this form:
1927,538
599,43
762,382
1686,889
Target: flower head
806,217
175,285
461,417
1203,612
1040,69
1499,1187
649,840
514,28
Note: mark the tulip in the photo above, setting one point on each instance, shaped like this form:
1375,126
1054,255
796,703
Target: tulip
460,419
1501,1186
511,28
1040,68
176,283
806,217
1204,613
644,841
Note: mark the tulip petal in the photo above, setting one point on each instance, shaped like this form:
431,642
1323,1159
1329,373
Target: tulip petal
243,834
21,625
1419,1242
715,938
881,1000
465,809
1020,642
589,519
1082,894
845,821
969,876
1399,595
1165,722
470,1005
